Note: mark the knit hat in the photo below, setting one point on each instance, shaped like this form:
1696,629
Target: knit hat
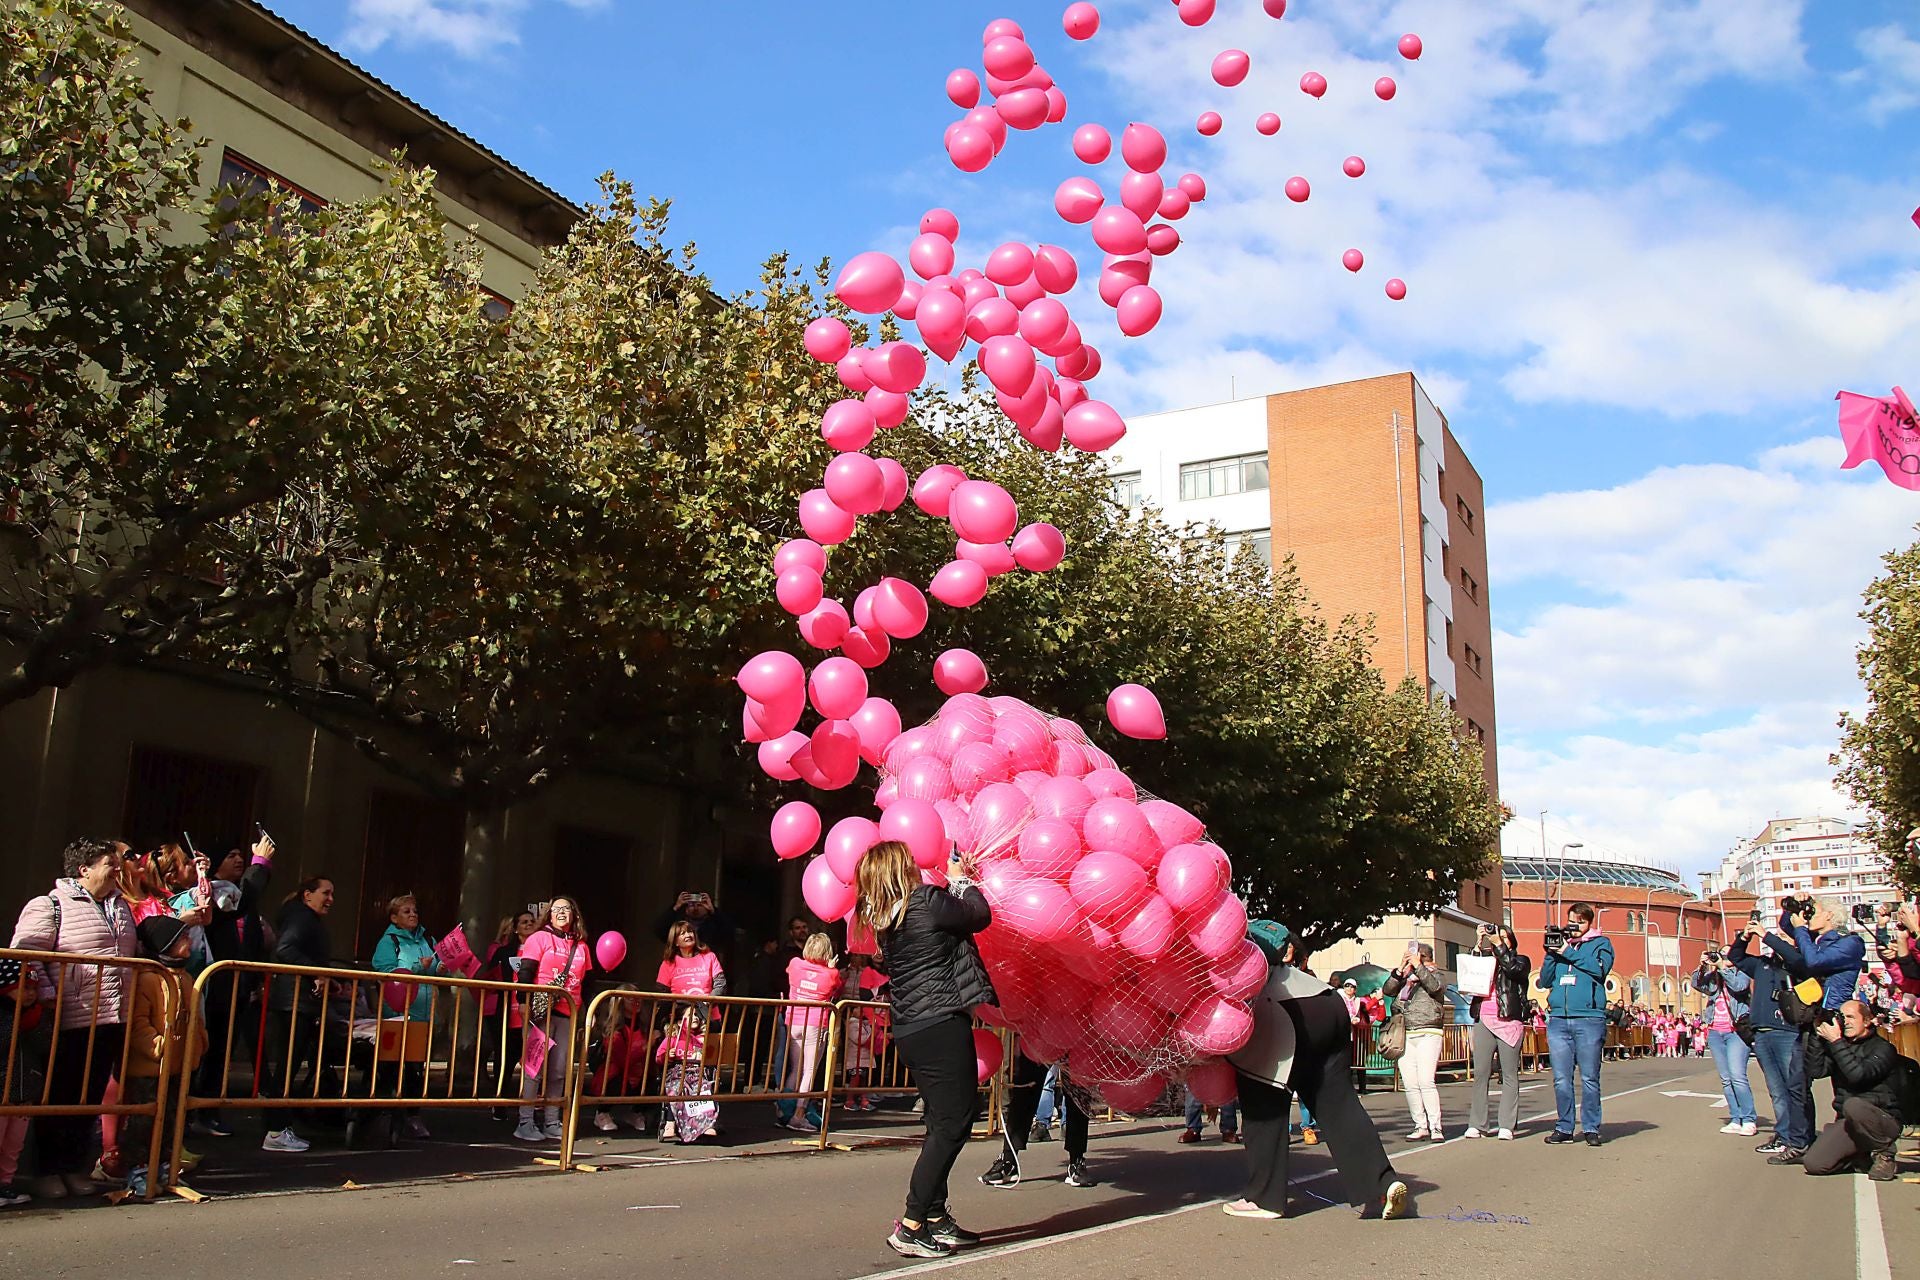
1271,937
158,933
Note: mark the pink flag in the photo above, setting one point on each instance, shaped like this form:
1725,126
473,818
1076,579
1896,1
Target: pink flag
1885,430
456,954
533,1055
1916,217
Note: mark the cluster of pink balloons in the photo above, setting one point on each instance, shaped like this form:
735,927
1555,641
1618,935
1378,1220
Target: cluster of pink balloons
1024,95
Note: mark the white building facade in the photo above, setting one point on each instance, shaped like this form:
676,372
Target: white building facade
1823,857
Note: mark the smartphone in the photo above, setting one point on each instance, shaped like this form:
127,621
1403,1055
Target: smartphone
202,891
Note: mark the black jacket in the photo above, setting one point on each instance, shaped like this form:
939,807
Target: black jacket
301,938
1859,1069
932,968
1511,970
239,934
1768,975
716,930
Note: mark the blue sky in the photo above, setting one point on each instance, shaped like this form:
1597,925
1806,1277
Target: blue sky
1646,241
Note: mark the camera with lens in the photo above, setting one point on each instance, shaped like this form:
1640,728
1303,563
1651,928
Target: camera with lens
1797,906
1558,936
1862,913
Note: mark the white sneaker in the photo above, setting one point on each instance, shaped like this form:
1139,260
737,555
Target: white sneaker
1473,1133
555,1131
799,1125
603,1121
1732,1126
1418,1135
667,1132
1506,1135
284,1140
528,1131
1748,1129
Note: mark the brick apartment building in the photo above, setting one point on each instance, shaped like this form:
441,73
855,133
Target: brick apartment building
1365,487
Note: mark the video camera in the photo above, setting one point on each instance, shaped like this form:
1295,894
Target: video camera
1862,913
1558,936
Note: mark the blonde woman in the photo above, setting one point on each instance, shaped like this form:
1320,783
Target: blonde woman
925,936
811,975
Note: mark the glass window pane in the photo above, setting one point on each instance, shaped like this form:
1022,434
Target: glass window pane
1255,473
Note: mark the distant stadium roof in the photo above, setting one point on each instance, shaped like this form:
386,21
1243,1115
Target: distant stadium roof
1589,871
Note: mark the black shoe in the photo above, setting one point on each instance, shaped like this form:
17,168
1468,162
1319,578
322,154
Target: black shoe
1077,1175
916,1242
1771,1147
1593,1139
1001,1174
1789,1156
1557,1137
952,1234
1039,1133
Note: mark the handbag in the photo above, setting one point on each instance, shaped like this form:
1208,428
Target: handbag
1392,1044
540,1004
1476,975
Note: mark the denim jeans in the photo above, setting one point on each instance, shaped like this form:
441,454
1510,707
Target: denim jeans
1783,1060
1043,1111
1196,1116
1730,1057
1575,1044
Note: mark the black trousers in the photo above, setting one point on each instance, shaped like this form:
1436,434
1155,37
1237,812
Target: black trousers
1023,1103
232,1020
941,1060
65,1143
1322,1077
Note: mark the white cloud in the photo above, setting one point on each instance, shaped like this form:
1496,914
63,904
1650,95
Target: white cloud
1720,596
1890,71
468,28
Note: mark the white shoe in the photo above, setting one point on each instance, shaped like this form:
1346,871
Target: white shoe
667,1132
528,1131
1730,1127
1748,1129
1506,1135
1473,1133
555,1131
799,1125
284,1140
1418,1135
603,1121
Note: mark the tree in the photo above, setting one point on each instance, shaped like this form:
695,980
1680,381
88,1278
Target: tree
1879,756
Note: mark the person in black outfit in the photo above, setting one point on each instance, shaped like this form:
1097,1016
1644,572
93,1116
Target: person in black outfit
294,1023
1866,1096
696,907
236,932
1302,1043
935,979
1023,1102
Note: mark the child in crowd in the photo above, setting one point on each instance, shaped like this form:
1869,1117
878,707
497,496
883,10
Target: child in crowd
861,1035
19,989
812,975
619,1055
161,1010
683,1050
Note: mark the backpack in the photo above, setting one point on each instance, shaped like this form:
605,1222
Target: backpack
1904,1082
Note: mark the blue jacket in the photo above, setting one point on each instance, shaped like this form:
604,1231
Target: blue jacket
401,951
1575,979
1834,957
1738,986
1766,975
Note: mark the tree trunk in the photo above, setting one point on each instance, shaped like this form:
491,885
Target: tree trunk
480,905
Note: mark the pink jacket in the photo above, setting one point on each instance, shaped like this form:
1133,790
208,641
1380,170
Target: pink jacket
87,928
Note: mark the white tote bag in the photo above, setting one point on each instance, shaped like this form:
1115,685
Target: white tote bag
1476,975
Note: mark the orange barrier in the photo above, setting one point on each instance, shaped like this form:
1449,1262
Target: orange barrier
881,1070
40,1063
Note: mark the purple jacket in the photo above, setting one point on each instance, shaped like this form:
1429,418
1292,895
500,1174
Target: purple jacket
86,928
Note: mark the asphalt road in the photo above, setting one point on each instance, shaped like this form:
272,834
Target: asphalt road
1667,1195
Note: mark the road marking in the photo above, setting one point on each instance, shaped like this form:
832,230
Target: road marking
1869,1238
1688,1093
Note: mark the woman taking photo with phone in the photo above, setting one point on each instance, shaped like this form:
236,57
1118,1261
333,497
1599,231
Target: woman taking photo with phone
935,979
1499,1023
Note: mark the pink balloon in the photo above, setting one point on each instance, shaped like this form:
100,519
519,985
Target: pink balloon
1050,848
1141,193
823,520
1384,88
776,755
959,583
933,491
1242,976
1080,20
836,752
1143,147
868,646
1134,711
916,824
1025,292
1092,143
1353,166
827,339
1092,425
1010,264
1118,826
848,425
1119,230
1056,105
610,949
870,283
847,843
1071,391
855,483
1298,189
925,777
1213,1084
989,1054
940,222
1055,268
1196,13
1208,124
1078,200
1268,124
1133,1096
970,148
1230,68
1220,934
1353,260
1162,239
827,896
1151,931
1008,362
1190,876
1411,47
1044,322
889,408
1215,1026
770,676
1313,84
975,765
1070,760
1171,983
988,121
798,590
1111,784
993,318
1024,108
963,89
1171,824
795,829
930,255
942,320
1123,1019
851,375
1039,910
1396,288
982,511
900,608
994,557
1274,8
837,687
959,671
1195,187
996,816
1109,887
877,724
1008,57
1139,310
898,367
893,483
1039,548
824,625
1001,27
1065,798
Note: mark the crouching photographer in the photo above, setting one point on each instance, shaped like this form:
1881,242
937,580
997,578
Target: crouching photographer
1871,1081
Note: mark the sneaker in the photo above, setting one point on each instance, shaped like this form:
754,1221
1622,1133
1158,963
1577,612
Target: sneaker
1473,1133
1248,1209
1731,1126
137,1181
1883,1168
1748,1128
1189,1135
667,1132
417,1129
528,1131
554,1131
208,1125
1593,1139
12,1196
1506,1135
1771,1147
1077,1175
952,1234
603,1121
284,1140
1039,1133
1001,1174
107,1176
1394,1203
1310,1136
800,1124
1558,1136
916,1242
1787,1155
1419,1135
1437,1136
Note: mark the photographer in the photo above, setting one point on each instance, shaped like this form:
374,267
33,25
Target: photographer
1422,991
1895,928
696,908
1815,942
1866,1073
1499,1022
1729,1022
1776,1044
1574,976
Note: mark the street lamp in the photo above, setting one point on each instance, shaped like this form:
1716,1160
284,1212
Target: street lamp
1557,895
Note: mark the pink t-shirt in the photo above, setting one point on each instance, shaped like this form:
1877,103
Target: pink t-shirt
690,975
807,980
1722,1020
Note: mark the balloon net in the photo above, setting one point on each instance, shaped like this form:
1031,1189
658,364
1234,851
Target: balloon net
1118,948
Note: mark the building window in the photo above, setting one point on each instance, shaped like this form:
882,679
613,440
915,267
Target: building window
1468,585
245,175
1126,491
1471,657
1465,512
496,307
1261,540
1475,732
1449,637
1223,476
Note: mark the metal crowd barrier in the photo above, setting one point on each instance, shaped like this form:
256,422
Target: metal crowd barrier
40,1063
884,1072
